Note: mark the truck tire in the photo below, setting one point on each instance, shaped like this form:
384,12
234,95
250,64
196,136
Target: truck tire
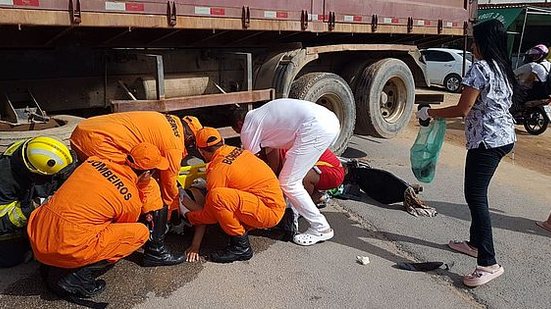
353,72
62,132
332,92
385,94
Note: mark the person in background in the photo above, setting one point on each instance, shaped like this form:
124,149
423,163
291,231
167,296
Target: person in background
243,193
30,170
91,222
303,129
487,95
111,137
534,74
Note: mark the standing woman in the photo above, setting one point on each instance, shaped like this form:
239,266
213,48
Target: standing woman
489,129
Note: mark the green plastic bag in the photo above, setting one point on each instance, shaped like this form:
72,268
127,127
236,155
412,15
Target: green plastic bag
424,153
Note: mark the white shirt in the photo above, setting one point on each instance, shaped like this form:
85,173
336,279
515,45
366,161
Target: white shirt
541,70
277,123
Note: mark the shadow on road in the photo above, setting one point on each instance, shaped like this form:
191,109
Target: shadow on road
128,283
351,234
353,153
499,219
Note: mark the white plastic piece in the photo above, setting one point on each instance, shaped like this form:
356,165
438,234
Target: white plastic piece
364,260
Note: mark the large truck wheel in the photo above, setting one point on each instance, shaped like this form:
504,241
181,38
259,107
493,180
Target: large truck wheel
331,91
62,132
385,94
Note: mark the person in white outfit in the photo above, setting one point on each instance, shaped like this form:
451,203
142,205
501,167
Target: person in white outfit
533,75
305,130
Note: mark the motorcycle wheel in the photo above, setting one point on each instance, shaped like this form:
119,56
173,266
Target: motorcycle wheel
535,121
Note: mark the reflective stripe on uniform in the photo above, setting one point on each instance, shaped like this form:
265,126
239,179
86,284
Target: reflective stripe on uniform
322,163
13,147
14,213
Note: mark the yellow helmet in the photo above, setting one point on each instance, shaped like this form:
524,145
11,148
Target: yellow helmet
45,155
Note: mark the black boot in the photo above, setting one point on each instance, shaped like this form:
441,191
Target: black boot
78,282
287,225
155,252
238,249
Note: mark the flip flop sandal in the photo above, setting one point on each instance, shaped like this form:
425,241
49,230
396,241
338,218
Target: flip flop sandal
544,225
463,247
311,237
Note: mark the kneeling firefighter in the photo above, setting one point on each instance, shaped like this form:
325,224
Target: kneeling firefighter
91,222
30,170
243,193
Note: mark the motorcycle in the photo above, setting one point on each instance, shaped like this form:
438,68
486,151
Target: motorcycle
534,115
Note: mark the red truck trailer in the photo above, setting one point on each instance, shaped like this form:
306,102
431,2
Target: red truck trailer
84,57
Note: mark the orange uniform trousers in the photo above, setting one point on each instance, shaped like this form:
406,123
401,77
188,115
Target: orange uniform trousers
236,211
111,242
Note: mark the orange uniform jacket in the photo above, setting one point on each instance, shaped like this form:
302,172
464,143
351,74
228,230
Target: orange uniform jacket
113,136
239,169
92,217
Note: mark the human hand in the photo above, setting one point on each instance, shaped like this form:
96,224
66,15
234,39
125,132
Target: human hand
423,114
192,254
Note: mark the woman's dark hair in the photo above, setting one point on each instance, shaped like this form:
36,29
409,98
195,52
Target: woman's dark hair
491,40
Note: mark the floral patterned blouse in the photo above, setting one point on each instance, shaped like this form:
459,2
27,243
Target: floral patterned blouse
489,121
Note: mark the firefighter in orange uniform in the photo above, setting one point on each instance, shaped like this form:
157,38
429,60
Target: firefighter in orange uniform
92,220
112,136
242,193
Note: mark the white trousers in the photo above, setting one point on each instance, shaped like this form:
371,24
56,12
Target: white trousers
311,141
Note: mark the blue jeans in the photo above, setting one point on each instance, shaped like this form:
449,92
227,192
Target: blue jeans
480,166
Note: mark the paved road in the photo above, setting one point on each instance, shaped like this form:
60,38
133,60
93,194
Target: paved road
326,275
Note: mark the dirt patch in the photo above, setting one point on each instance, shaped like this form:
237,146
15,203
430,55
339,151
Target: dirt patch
531,151
128,283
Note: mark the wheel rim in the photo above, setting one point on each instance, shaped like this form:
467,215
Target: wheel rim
535,121
392,100
453,83
333,103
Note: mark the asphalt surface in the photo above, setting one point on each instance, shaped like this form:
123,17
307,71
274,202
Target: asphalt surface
327,275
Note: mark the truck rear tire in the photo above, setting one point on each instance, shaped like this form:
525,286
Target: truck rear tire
332,92
63,132
385,94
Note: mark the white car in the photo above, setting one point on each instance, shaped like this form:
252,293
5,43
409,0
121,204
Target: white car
445,67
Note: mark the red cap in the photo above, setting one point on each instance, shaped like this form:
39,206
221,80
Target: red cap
207,136
146,156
